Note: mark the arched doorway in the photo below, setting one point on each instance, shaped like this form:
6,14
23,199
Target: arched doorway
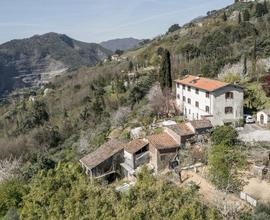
262,119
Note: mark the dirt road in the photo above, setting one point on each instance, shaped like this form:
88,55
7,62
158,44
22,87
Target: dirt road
213,197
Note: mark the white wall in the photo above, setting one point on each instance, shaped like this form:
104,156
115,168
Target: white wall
129,159
216,102
266,118
192,112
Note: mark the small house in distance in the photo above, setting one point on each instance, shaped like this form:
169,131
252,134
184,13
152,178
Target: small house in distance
263,117
104,160
136,153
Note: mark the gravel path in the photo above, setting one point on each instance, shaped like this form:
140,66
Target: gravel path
254,133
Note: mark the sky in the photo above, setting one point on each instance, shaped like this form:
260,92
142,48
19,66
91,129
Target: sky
98,20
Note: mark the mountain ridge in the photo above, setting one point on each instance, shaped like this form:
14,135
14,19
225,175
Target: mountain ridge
121,44
31,61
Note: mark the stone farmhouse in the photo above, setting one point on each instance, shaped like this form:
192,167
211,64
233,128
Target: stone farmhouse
158,151
203,98
104,160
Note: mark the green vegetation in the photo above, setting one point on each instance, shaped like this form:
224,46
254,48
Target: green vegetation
165,75
11,192
52,131
246,15
261,9
66,193
173,28
225,160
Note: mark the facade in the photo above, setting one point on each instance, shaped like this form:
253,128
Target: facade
199,98
136,153
105,160
263,117
163,150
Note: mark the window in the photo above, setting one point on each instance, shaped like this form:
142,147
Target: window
178,85
189,111
184,98
228,110
189,101
189,88
197,116
178,96
207,94
197,91
162,157
197,104
184,87
229,95
207,109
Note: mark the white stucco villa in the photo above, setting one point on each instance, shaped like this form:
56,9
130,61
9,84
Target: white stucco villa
200,98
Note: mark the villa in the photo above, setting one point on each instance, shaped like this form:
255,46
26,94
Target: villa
202,98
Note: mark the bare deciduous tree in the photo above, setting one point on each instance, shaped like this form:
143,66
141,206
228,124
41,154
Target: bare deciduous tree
8,168
121,116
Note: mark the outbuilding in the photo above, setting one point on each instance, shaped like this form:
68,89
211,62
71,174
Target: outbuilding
105,160
263,117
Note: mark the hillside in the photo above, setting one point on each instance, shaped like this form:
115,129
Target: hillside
34,60
233,40
121,44
45,131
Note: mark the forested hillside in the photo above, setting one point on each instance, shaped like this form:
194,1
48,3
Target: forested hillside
234,40
33,61
45,132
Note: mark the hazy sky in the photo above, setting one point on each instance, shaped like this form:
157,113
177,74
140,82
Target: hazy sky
98,20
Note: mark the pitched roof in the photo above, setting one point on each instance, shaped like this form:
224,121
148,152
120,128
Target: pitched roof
202,83
266,111
200,124
103,153
162,141
181,129
135,145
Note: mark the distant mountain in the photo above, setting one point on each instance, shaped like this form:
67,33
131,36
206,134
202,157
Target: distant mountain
28,62
121,44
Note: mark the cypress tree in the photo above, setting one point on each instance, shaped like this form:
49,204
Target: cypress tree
130,66
245,65
261,9
165,76
246,15
224,17
265,8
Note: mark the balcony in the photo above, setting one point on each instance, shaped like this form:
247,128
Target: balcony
141,159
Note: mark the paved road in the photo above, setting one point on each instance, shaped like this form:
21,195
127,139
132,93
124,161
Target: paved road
254,133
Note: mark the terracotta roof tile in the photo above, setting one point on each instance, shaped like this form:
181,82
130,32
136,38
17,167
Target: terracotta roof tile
135,145
103,153
162,141
181,129
202,83
200,124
